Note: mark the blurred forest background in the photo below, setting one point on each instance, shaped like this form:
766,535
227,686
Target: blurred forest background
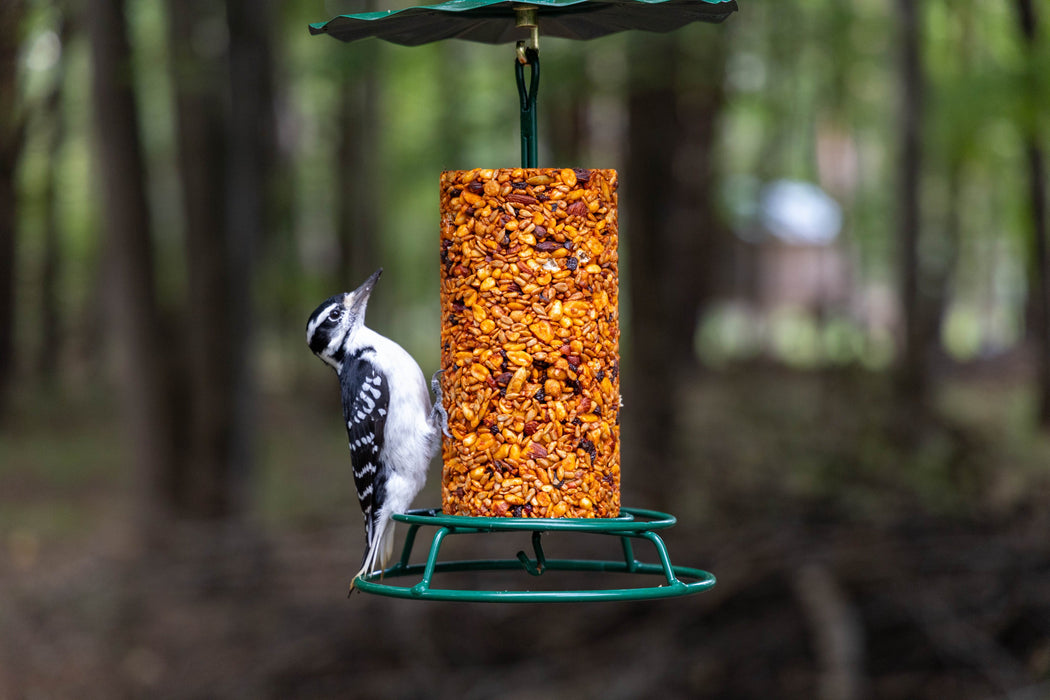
836,314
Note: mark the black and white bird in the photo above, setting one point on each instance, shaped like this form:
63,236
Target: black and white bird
392,428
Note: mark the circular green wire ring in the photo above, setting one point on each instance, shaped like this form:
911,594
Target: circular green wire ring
633,523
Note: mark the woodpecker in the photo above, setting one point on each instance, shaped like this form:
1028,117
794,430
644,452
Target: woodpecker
393,430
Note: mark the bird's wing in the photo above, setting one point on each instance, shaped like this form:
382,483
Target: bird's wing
366,399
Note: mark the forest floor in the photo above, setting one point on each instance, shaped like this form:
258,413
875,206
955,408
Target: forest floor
854,559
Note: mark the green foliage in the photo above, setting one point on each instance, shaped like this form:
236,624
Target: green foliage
811,93
799,76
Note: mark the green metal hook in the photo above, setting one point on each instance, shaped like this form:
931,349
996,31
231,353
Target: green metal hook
528,56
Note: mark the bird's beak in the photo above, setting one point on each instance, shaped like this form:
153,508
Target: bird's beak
357,299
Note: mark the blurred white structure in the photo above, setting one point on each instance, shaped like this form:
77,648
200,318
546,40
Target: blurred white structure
794,257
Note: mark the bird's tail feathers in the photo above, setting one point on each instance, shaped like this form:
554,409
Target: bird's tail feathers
379,549
386,546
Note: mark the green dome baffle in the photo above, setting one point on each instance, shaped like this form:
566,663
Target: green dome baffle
495,22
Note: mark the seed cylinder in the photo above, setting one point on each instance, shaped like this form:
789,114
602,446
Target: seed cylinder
530,342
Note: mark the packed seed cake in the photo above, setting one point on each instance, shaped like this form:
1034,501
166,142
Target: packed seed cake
530,342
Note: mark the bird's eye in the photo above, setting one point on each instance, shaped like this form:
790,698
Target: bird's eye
334,315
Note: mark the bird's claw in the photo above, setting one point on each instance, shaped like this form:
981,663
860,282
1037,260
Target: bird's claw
443,421
435,381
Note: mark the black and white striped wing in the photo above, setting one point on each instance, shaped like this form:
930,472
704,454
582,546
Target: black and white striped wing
366,398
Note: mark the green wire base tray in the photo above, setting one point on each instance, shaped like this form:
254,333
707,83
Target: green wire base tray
633,523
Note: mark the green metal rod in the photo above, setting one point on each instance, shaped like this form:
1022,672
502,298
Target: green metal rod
628,554
527,99
410,540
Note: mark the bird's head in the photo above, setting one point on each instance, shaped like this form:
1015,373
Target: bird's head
332,326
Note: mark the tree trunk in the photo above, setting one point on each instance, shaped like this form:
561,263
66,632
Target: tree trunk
204,487
50,348
649,382
563,112
226,139
671,236
12,138
144,389
253,147
912,378
702,244
1039,284
357,195
940,272
1041,276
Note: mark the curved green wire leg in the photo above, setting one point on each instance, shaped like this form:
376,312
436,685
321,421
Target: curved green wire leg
406,551
665,559
428,573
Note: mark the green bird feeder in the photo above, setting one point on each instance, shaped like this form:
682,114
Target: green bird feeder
588,196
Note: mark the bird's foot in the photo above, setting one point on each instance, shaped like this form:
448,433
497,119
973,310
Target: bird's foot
443,421
439,403
362,573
